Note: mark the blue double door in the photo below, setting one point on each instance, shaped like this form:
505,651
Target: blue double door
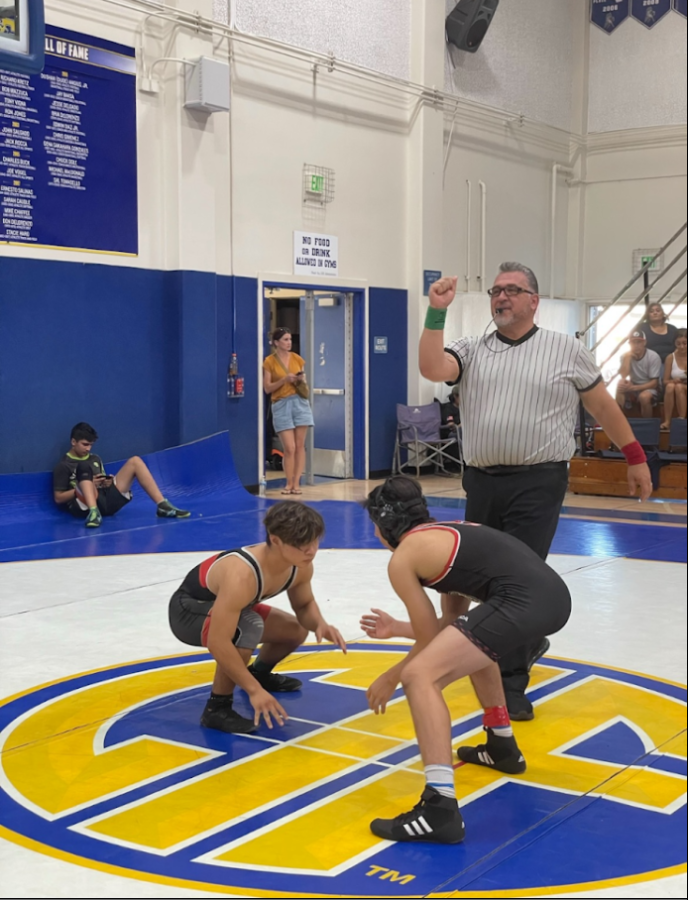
327,347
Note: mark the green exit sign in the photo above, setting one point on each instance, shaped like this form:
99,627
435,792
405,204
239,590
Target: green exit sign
317,184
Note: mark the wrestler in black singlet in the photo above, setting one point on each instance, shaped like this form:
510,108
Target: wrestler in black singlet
192,602
521,597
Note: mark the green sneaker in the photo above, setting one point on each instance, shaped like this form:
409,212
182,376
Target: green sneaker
167,511
94,518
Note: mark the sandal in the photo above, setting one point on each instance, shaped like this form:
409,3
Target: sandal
287,492
664,427
296,491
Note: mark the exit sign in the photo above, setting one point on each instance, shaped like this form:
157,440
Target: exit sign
317,184
641,258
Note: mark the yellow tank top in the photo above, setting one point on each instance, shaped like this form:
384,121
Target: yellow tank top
274,367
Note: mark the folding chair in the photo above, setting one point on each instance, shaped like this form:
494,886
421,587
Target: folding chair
678,441
647,433
419,433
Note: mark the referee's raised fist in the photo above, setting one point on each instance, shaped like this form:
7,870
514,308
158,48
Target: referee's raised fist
442,292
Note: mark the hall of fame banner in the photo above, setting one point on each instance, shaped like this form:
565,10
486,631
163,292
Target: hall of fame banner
68,157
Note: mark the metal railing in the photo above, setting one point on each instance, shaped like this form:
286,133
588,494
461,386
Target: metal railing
644,297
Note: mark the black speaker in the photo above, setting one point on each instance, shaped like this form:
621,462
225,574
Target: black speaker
467,24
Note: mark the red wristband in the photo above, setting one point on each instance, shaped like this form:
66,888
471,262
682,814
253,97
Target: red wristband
634,453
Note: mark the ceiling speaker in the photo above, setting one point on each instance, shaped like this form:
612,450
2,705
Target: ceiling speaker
467,24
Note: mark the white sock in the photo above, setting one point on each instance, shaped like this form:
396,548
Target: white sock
442,779
505,731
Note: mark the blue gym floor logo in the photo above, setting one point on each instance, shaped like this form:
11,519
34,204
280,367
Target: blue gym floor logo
112,769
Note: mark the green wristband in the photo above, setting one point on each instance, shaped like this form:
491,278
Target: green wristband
435,319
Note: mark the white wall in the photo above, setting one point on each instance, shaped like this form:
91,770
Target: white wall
638,75
281,122
202,177
224,193
516,168
635,199
526,64
373,34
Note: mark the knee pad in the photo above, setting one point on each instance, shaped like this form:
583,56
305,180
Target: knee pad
84,472
249,630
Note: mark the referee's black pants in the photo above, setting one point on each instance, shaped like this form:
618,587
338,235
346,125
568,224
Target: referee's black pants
524,501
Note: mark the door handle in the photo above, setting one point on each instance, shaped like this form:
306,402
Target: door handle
328,392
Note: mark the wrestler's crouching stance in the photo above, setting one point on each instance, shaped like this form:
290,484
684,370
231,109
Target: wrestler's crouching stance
520,599
219,605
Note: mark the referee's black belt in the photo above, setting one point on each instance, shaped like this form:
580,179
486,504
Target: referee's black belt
521,470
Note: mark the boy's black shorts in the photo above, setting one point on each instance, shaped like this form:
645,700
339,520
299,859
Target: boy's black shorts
110,501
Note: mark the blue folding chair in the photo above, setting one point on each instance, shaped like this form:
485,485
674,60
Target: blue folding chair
420,435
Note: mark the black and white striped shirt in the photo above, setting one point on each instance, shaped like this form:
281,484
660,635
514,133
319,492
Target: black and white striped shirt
519,399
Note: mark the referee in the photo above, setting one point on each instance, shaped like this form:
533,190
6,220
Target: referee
519,392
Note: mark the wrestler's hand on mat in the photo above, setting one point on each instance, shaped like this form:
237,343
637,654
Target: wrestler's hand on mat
378,624
639,478
328,633
380,693
266,706
442,293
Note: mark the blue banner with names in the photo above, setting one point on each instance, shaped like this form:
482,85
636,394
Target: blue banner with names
68,158
649,12
681,6
609,14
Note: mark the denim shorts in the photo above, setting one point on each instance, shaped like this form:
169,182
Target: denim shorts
291,412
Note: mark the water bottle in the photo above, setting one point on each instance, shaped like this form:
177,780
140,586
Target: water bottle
263,486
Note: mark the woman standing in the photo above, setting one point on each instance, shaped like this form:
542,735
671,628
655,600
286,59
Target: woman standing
661,336
675,392
284,380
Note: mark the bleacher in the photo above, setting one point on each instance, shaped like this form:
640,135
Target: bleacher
604,471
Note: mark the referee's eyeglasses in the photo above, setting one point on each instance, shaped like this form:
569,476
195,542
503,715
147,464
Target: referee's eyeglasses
511,290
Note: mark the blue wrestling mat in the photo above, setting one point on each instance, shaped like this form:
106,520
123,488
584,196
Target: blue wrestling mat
202,477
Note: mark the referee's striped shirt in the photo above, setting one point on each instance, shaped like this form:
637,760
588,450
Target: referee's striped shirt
519,399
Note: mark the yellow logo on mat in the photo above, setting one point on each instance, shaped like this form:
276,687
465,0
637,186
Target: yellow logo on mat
113,768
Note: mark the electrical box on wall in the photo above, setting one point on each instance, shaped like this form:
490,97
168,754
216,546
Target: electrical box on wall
207,85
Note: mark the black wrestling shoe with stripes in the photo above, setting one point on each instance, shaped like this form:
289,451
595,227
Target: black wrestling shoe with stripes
222,717
274,683
499,753
435,820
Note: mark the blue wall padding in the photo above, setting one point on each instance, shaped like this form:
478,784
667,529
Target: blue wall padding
240,416
197,298
200,476
388,372
142,355
85,342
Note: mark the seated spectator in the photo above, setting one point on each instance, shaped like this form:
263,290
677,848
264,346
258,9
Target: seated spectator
675,391
641,371
451,414
82,487
661,336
